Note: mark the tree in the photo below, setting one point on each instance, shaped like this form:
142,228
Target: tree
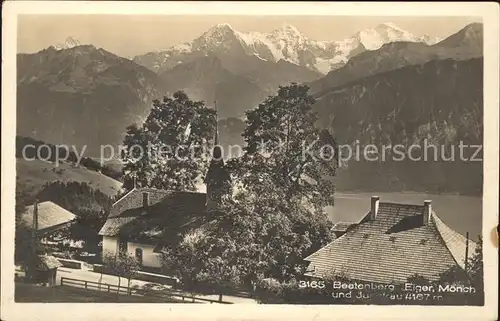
286,151
26,249
245,240
475,268
23,253
23,244
166,152
287,174
90,206
473,276
227,250
277,216
77,197
455,275
121,265
185,260
23,199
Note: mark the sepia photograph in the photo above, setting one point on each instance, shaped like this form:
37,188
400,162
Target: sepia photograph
278,159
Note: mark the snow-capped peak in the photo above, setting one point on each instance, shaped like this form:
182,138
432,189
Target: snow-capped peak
431,40
383,33
287,43
223,26
221,35
72,42
287,33
287,28
69,43
389,25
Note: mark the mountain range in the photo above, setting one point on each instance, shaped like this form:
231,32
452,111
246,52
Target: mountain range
465,44
284,43
439,103
83,95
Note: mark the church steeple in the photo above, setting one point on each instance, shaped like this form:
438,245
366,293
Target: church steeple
218,180
217,153
216,136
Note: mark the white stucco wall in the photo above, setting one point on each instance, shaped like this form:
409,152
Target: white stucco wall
109,245
149,258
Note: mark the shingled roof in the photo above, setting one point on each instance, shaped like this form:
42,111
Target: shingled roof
168,213
50,216
392,247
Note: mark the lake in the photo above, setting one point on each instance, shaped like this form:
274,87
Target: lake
461,213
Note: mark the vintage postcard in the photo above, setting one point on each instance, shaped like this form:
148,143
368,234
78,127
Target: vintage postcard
232,160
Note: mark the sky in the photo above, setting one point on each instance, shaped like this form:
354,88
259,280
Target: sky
130,35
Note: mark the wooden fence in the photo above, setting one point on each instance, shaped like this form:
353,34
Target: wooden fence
123,290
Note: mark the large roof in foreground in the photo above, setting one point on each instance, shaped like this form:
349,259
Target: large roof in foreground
391,248
49,215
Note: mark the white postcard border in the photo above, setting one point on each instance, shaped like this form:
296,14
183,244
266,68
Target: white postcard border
154,311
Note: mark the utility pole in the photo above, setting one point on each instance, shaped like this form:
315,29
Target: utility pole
34,230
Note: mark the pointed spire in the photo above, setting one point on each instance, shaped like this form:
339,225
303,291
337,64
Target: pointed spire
216,138
217,152
217,177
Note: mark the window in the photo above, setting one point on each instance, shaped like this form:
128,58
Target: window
122,246
138,255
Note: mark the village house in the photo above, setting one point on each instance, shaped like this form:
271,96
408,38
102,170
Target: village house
391,243
141,220
47,220
50,218
52,223
145,220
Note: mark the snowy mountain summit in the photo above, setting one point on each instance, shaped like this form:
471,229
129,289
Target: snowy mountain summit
69,43
286,43
374,38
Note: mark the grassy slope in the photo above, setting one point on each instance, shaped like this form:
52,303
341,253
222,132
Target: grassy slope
32,175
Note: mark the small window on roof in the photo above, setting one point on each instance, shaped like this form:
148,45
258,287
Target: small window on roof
366,236
423,241
392,239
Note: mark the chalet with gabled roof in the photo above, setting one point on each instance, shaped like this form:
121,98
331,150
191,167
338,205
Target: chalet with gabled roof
146,220
391,243
50,217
